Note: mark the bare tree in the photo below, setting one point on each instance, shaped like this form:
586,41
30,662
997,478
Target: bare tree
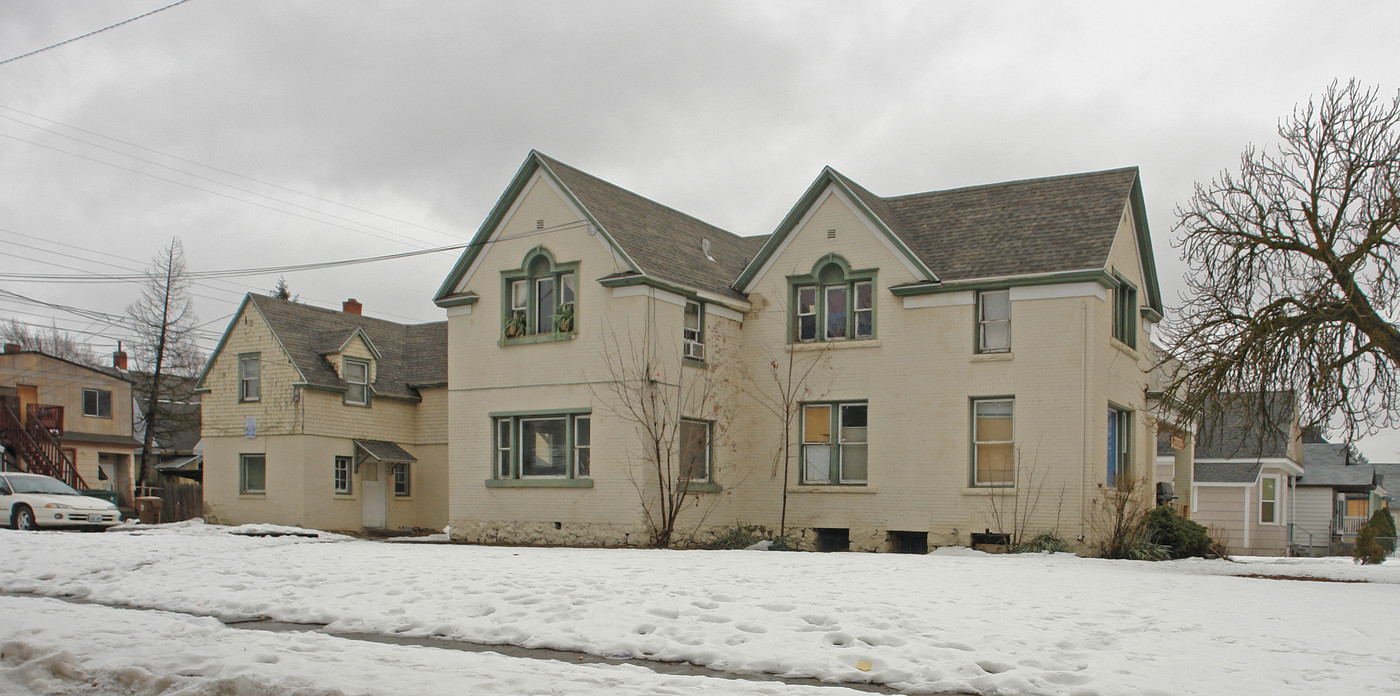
1014,510
164,320
678,415
53,341
1293,281
787,383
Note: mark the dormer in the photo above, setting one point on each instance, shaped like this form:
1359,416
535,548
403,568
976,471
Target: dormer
355,360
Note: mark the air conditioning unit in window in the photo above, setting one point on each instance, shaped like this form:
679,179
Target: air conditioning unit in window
694,350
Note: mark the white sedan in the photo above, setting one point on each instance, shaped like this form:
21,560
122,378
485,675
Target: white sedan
30,501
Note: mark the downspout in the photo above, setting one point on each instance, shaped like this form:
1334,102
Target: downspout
1084,478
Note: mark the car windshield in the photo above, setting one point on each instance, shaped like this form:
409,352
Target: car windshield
39,484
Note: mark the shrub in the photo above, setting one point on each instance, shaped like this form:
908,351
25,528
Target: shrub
1148,551
1045,542
742,536
1182,537
1367,551
1384,525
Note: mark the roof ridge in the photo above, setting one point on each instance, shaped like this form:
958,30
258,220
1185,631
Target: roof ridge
258,297
996,184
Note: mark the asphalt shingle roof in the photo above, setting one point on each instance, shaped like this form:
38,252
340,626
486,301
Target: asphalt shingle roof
1233,428
410,354
385,451
1227,472
666,243
1031,226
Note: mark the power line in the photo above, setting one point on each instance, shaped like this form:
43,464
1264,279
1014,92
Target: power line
208,166
201,177
219,193
92,33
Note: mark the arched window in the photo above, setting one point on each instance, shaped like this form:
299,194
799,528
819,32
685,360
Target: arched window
540,298
833,303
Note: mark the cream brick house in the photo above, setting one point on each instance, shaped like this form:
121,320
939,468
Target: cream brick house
967,349
326,419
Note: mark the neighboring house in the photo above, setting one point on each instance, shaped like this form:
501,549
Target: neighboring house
1246,465
67,420
976,347
326,419
1336,495
176,462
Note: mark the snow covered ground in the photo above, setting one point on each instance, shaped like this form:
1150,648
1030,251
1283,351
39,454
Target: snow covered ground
952,621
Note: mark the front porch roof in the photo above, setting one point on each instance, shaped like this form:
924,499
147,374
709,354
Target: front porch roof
382,451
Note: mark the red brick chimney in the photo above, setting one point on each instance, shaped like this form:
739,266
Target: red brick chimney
12,348
351,306
119,358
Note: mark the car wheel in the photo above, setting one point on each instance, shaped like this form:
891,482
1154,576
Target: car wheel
24,518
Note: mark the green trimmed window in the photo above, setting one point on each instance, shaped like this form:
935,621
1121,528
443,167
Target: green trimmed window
551,446
357,376
252,474
1268,499
835,445
402,480
695,451
1125,312
994,321
249,377
1120,444
539,298
343,481
994,442
832,303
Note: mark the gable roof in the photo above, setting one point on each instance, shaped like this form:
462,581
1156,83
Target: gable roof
1029,227
659,242
1232,428
410,355
1325,464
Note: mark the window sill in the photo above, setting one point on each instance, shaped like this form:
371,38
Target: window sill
94,415
540,483
252,496
1124,347
692,362
403,498
992,357
536,338
833,345
702,487
854,489
989,490
344,496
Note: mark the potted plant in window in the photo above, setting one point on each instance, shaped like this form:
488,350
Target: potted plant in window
564,318
515,324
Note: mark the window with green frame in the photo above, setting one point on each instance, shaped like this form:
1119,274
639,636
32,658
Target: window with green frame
832,303
542,446
1125,312
539,298
835,445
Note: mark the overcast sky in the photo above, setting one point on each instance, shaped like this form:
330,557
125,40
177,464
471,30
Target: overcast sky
269,133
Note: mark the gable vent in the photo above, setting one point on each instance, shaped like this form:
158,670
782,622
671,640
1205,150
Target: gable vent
831,233
539,224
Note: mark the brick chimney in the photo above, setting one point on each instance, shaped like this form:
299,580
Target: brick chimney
119,358
351,306
12,348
